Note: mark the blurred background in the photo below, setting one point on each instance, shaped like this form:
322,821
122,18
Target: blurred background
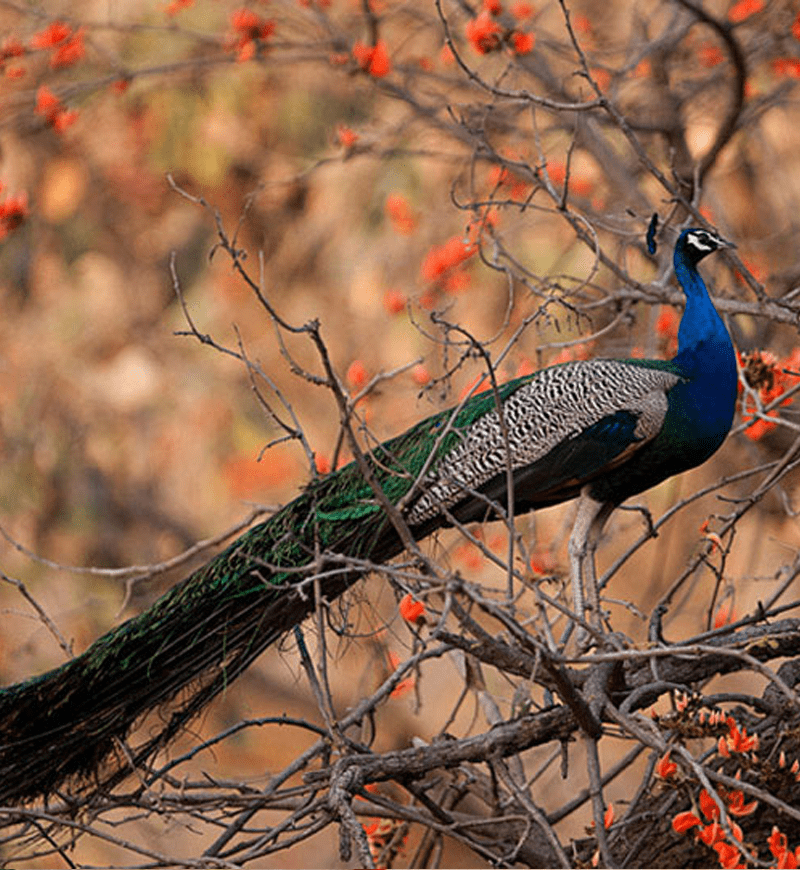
413,176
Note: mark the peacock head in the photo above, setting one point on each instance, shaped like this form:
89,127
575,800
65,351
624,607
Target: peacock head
695,243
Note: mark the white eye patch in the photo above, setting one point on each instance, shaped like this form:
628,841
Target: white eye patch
702,241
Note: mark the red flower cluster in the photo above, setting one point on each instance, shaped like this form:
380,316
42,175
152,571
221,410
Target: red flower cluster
486,35
483,33
522,43
13,211
771,377
778,846
250,30
49,105
373,59
736,740
442,261
666,769
67,44
711,832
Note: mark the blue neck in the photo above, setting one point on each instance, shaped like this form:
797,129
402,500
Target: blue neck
701,332
706,400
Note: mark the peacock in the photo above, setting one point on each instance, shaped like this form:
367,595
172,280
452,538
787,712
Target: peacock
601,430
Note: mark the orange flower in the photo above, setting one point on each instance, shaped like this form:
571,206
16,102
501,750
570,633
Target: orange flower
46,101
685,821
708,806
776,842
522,43
494,7
602,78
70,51
778,846
667,327
760,427
442,258
724,616
249,28
542,564
728,855
51,35
346,136
48,104
245,21
468,553
796,27
666,768
456,281
736,741
743,9
736,805
64,119
483,33
710,834
582,24
394,301
357,374
400,214
411,610
373,59
420,374
13,212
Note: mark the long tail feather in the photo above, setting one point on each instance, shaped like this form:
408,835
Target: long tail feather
205,631
201,634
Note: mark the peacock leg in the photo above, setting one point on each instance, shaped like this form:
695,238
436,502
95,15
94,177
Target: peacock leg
589,522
